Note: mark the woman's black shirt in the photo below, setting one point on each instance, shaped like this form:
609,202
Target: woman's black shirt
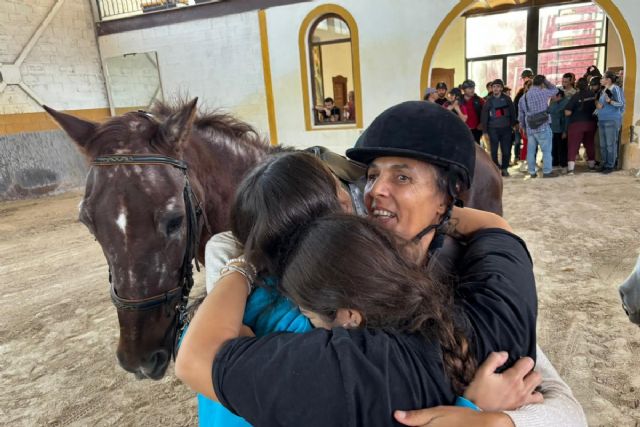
359,377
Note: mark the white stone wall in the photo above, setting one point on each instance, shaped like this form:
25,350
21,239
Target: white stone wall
63,69
218,60
393,38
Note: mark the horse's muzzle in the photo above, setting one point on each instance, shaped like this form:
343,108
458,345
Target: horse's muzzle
152,367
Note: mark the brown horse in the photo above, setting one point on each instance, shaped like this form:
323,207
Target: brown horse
137,210
151,174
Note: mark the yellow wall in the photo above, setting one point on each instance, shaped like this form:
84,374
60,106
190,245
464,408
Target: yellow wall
451,50
35,122
336,60
615,56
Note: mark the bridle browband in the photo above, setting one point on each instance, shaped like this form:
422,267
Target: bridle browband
193,211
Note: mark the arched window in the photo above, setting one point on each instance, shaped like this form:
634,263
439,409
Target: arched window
332,85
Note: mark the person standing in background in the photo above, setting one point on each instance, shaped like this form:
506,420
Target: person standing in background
520,140
594,86
568,84
559,129
441,89
582,125
473,104
498,119
430,95
534,104
610,108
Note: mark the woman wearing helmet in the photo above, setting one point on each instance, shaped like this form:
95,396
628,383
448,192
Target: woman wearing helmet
419,160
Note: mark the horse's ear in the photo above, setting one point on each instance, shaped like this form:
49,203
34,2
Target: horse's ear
177,128
81,131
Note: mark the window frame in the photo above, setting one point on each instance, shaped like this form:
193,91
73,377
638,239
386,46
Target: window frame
532,50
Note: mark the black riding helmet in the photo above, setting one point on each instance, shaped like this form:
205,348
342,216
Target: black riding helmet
423,131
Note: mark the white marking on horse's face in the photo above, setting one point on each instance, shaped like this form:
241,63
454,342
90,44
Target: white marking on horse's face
122,220
171,203
80,205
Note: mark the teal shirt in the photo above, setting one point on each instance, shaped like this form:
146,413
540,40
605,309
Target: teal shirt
267,311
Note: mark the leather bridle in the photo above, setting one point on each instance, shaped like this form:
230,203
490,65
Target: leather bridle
180,294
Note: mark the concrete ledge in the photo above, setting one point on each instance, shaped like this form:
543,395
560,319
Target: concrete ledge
39,163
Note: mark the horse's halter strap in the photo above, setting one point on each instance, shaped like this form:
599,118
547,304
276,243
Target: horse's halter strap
193,213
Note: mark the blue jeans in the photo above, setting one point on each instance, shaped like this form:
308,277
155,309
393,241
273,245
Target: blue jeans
609,130
544,139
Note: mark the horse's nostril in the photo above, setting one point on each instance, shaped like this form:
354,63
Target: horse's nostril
158,360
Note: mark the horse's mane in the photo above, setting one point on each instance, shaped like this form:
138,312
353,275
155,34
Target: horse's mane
218,128
215,124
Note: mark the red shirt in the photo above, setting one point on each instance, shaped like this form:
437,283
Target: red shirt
472,117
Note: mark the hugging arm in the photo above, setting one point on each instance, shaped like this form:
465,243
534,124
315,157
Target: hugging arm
218,320
559,408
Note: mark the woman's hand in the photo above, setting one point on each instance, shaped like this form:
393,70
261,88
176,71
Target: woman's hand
506,391
452,416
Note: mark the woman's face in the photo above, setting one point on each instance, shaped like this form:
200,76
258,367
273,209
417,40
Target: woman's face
402,196
345,318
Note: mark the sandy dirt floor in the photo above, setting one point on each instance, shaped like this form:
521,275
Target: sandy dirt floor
58,329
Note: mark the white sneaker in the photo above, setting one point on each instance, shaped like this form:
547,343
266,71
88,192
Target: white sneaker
523,167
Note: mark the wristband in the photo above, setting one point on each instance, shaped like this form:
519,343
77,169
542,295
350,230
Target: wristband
466,403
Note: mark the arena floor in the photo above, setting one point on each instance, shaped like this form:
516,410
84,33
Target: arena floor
59,329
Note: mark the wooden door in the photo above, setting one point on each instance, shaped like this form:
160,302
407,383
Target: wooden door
339,91
442,75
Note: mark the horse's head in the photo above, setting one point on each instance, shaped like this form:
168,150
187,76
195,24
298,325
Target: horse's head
135,206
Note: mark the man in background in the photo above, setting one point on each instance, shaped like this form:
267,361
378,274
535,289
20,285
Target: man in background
569,84
430,95
498,119
441,89
473,105
532,106
526,75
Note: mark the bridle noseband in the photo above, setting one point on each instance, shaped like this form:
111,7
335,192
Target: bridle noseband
179,294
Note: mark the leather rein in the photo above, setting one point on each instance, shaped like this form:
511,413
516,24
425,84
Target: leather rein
179,294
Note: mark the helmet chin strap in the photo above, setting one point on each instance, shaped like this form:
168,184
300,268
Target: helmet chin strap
438,238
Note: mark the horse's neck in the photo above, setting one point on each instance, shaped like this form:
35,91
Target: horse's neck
218,167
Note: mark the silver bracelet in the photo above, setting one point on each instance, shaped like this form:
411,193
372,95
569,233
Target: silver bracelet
228,269
242,260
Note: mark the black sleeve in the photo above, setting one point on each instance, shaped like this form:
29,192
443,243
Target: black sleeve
484,116
270,380
328,378
497,293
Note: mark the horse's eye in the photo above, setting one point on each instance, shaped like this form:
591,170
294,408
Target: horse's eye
173,225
